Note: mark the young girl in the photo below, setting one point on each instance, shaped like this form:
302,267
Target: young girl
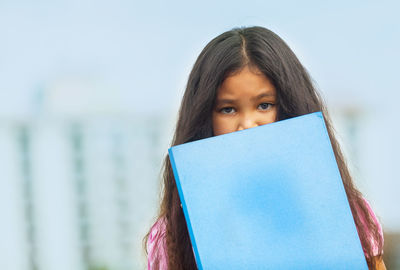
245,78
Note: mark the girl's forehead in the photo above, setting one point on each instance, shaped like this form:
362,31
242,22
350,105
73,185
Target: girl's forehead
246,82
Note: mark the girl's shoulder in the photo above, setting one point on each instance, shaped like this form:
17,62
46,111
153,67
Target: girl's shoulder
378,225
156,246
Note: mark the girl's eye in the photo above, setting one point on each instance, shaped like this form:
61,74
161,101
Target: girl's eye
265,106
226,110
229,110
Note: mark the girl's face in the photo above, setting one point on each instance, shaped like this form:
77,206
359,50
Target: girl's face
246,99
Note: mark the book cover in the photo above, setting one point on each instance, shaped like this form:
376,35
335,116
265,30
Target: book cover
268,197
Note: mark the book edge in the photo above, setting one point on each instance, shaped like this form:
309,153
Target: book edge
185,210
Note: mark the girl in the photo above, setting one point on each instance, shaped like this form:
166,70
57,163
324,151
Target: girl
244,78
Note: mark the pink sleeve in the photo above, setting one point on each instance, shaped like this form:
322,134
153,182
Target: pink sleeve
374,245
156,247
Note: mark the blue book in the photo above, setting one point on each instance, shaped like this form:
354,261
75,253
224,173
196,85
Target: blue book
268,197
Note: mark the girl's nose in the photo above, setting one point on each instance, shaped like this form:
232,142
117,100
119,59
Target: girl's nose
247,122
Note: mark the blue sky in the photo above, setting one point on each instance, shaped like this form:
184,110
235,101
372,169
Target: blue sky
144,50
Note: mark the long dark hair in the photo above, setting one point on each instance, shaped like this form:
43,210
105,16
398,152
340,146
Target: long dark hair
296,95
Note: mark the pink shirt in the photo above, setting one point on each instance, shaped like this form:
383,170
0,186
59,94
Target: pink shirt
156,245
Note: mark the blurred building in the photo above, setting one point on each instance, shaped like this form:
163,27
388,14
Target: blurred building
80,184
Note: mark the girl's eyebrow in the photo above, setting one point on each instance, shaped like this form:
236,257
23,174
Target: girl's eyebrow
268,94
